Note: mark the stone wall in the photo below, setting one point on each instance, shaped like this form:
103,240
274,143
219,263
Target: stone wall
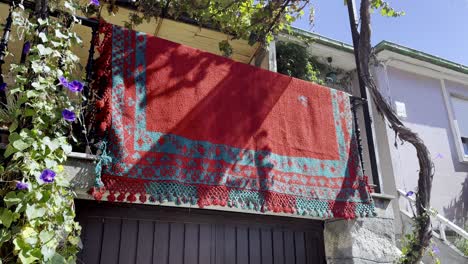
363,240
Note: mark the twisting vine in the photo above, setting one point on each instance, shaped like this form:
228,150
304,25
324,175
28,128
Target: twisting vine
422,228
37,210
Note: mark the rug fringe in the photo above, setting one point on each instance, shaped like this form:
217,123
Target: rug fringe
159,193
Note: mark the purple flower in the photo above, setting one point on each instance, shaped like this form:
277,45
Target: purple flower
68,115
63,81
3,87
48,175
94,2
22,186
439,156
26,47
410,193
435,250
75,86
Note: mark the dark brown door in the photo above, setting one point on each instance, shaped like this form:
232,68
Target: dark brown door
128,233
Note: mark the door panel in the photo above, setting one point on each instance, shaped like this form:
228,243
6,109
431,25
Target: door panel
126,233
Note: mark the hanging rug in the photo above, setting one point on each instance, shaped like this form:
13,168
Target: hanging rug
188,126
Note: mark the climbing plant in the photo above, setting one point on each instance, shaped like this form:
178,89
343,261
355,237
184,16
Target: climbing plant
295,60
43,100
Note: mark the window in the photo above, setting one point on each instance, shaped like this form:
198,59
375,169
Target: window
460,109
465,145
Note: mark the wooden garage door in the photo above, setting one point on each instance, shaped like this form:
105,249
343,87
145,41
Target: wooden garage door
124,233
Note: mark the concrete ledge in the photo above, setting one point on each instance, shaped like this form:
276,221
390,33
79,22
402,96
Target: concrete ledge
84,156
360,241
80,170
383,196
363,240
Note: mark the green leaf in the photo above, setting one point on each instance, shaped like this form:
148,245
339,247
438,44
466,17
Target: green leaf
74,240
13,126
9,151
69,6
58,259
13,136
43,51
20,145
6,217
42,21
5,235
60,180
43,37
67,148
45,236
47,252
11,199
20,244
59,34
50,163
29,112
34,211
28,232
31,93
51,144
26,258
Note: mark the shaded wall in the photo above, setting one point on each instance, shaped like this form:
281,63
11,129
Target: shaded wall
428,116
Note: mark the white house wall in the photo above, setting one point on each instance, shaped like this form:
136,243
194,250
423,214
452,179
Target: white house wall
428,116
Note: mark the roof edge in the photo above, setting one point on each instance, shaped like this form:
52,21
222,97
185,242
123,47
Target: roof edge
321,39
419,55
383,45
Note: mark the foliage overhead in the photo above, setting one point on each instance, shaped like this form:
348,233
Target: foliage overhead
293,59
252,20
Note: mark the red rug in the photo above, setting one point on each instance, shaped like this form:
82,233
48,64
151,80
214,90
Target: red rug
191,127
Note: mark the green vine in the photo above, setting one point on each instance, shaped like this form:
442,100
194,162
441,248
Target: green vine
462,244
410,245
294,59
37,210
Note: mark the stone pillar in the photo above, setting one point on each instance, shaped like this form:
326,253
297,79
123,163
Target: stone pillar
363,240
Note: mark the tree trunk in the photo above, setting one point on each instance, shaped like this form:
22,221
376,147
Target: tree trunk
422,229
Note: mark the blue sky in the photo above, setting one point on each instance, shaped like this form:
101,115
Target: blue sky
438,27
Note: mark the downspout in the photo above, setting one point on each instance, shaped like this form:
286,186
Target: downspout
363,93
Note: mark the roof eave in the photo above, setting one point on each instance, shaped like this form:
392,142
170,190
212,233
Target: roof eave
419,55
321,39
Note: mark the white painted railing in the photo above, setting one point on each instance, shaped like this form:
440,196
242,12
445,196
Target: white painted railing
443,222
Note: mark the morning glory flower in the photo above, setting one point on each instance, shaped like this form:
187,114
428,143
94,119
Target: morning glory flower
22,186
26,47
410,193
435,250
94,2
75,86
68,115
63,81
3,87
48,175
